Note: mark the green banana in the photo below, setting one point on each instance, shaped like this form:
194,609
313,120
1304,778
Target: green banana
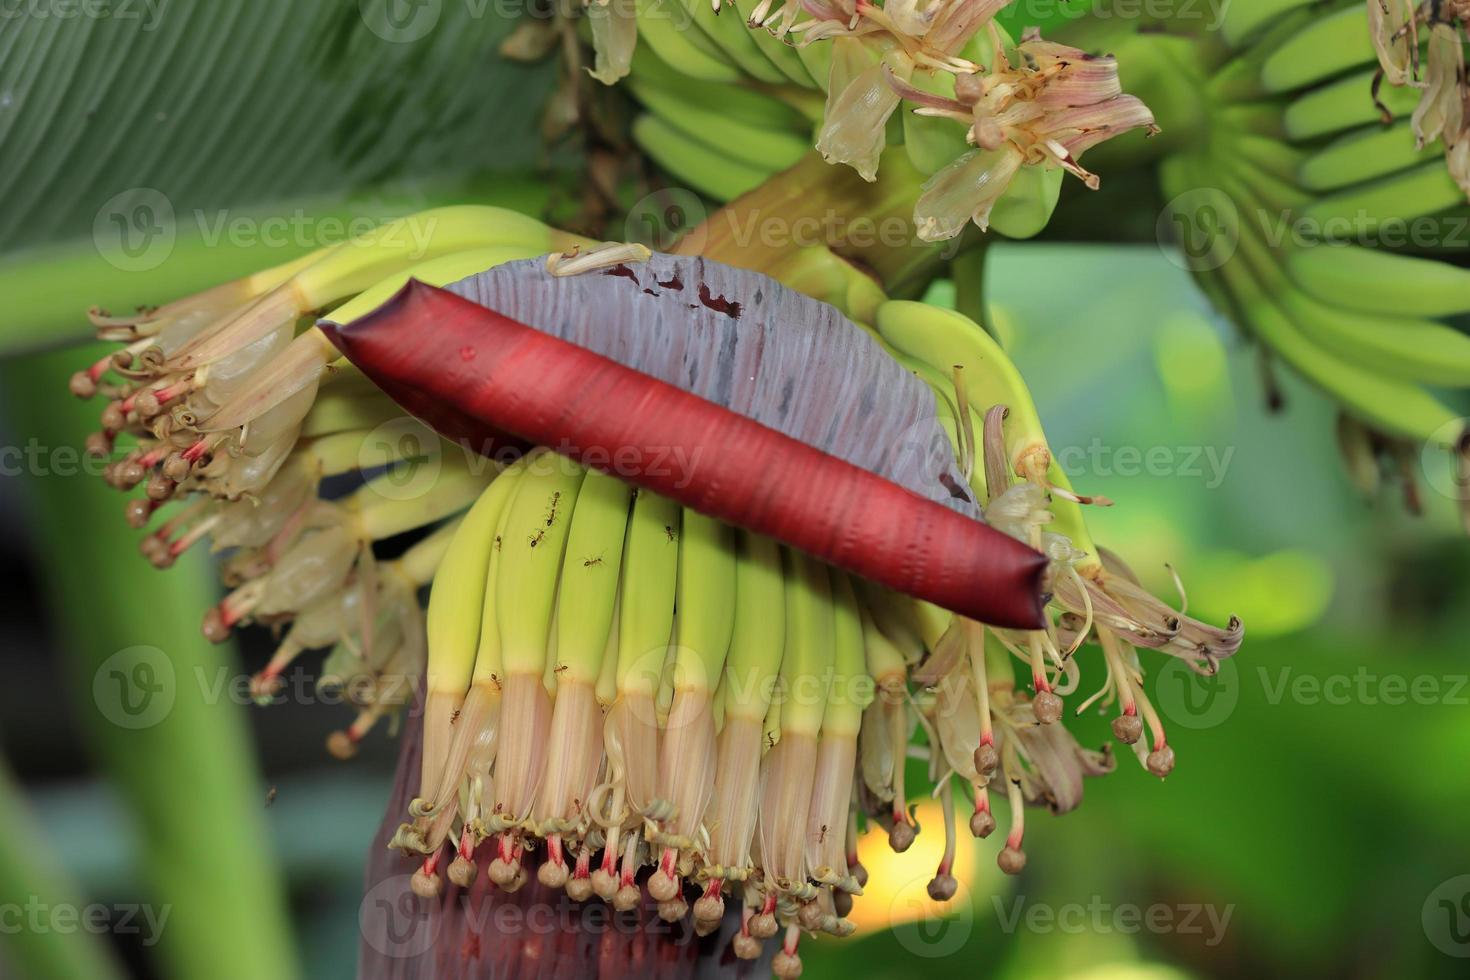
1364,154
1027,205
714,104
758,147
1244,18
1329,45
684,49
1399,198
532,543
696,163
1342,104
1376,281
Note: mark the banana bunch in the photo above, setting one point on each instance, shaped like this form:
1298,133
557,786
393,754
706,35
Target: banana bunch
1308,212
729,101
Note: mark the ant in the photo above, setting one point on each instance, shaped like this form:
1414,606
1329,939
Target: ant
592,562
670,532
537,538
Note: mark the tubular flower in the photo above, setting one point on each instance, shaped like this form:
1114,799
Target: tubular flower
873,44
601,643
1054,103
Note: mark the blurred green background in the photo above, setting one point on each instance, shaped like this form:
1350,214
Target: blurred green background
1314,826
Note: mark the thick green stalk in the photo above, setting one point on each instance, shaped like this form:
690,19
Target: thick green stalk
153,696
47,938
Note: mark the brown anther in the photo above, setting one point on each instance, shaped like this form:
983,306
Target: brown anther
113,417
137,513
462,872
502,872
627,898
786,965
859,873
552,874
605,884
122,359
842,902
986,758
1047,707
82,385
426,885
177,468
663,887
746,947
1011,860
809,914
763,925
673,910
147,404
982,824
1160,761
339,744
160,487
709,911
128,474
98,445
215,631
942,887
1127,729
156,551
901,837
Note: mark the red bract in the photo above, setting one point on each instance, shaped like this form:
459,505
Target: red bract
474,373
